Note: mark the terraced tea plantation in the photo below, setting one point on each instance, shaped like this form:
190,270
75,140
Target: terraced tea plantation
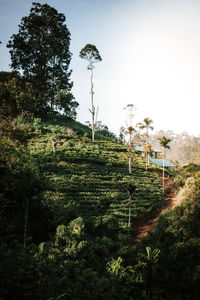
93,179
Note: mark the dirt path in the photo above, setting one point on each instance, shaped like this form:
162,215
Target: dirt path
148,222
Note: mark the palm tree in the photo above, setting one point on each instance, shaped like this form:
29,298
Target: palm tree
146,125
164,143
29,186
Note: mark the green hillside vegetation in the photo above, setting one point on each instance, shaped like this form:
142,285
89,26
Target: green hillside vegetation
70,207
92,178
64,219
177,236
74,202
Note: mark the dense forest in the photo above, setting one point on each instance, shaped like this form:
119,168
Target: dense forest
72,195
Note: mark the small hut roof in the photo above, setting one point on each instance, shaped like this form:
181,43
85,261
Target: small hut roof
159,162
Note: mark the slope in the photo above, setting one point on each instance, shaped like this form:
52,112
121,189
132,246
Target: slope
145,224
91,178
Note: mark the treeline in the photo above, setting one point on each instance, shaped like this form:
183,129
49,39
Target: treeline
184,148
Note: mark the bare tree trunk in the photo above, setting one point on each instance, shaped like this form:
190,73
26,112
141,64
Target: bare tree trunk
92,104
53,143
53,96
25,222
129,213
163,173
129,163
163,177
129,159
146,154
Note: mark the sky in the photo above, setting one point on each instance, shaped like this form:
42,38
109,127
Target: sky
150,53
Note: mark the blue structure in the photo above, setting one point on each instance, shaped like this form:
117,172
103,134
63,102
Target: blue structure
159,162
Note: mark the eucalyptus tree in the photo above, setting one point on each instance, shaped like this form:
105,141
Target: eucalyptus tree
146,125
91,54
164,143
40,51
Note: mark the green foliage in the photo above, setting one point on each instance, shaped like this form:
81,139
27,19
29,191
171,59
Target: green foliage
76,226
90,53
182,173
16,95
41,50
64,214
146,125
79,195
92,178
164,142
18,271
104,131
145,269
65,102
177,235
114,267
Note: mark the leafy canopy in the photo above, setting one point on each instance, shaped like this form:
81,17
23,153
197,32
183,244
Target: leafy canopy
40,50
147,124
164,142
91,54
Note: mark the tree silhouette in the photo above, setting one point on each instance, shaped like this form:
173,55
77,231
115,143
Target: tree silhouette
40,50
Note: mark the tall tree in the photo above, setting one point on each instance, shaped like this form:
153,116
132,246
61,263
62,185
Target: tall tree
91,54
130,112
29,186
146,125
40,50
164,143
16,95
146,266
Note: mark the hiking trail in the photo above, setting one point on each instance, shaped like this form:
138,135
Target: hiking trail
146,223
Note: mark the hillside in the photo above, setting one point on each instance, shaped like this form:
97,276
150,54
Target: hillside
65,214
92,178
74,223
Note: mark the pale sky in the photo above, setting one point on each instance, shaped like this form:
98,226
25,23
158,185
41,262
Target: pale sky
150,51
